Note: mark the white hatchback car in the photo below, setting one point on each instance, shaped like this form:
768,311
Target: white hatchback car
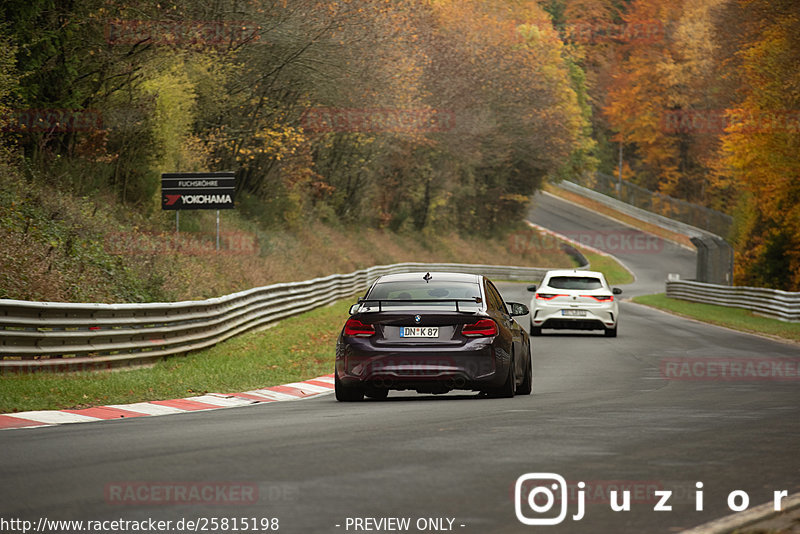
574,300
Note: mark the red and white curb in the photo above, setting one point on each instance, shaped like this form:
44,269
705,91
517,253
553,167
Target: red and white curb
210,401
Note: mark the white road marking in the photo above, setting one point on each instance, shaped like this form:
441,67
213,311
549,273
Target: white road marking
148,408
54,417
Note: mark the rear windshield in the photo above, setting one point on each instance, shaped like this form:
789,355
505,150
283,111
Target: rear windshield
575,282
411,291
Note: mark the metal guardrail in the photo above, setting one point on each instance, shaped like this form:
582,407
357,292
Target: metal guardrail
714,254
775,303
712,221
63,336
714,264
634,211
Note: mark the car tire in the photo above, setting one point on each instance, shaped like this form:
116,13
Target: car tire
526,386
506,391
347,393
612,332
536,330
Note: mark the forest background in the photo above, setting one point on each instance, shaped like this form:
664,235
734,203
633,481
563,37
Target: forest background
376,121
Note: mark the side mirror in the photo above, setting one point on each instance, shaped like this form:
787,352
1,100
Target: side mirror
354,309
518,309
532,288
617,291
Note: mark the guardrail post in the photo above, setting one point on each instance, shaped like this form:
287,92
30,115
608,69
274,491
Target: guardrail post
701,273
714,260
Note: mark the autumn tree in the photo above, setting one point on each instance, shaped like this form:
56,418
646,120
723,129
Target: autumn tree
501,69
483,103
761,144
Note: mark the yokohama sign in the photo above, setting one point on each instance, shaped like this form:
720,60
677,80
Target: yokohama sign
198,191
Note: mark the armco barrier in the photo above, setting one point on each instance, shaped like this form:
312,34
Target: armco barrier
698,216
714,254
714,266
770,302
638,213
64,336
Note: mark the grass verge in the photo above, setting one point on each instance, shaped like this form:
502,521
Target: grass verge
298,348
57,246
735,318
627,219
616,274
614,271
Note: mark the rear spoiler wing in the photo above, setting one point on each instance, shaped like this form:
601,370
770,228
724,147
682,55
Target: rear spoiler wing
474,300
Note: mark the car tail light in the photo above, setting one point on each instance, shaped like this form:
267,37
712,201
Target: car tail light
354,327
547,296
484,327
601,298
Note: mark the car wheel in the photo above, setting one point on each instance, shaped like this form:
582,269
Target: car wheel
506,391
347,393
612,332
536,330
527,382
377,393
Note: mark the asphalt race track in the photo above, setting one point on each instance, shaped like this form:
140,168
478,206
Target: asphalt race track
602,412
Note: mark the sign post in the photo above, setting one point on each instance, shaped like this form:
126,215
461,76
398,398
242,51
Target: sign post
197,191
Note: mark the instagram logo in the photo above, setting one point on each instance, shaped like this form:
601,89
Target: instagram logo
538,492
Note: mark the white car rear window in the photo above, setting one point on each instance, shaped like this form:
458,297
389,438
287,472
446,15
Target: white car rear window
575,282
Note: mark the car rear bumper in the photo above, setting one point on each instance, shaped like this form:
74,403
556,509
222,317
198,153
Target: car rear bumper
422,369
595,319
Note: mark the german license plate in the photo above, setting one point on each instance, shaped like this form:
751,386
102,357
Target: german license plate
419,331
573,313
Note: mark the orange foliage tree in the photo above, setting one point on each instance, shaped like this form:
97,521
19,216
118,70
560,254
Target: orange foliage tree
761,146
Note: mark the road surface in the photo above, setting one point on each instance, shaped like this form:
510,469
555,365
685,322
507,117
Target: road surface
602,413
